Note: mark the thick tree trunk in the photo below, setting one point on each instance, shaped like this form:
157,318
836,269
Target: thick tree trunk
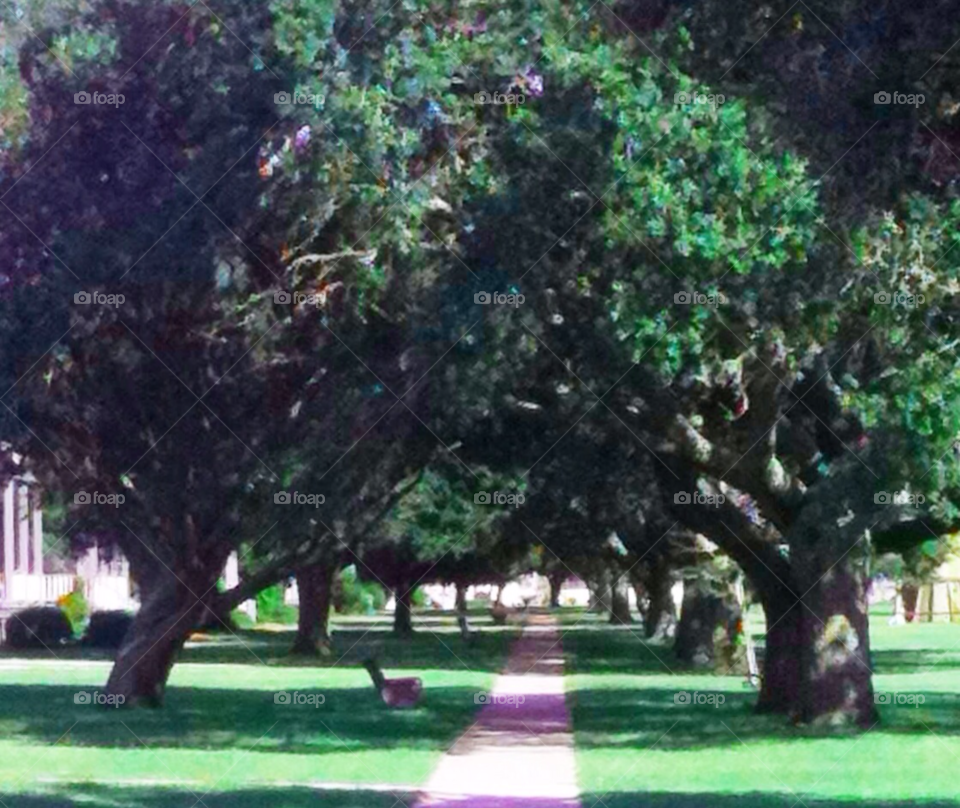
461,603
910,594
619,603
640,593
660,620
169,611
315,585
780,672
402,622
555,580
700,615
835,674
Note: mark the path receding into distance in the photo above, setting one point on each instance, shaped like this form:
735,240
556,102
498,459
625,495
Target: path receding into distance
515,755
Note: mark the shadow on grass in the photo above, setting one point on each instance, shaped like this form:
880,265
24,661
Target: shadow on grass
353,719
748,800
915,660
639,717
603,649
427,648
94,796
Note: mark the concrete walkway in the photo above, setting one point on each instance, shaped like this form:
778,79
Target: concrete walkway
517,755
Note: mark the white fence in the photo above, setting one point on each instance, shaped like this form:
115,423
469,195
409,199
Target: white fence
103,592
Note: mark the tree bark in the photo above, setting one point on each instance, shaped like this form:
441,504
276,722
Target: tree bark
315,586
700,614
910,594
780,671
835,675
555,579
660,620
619,603
461,603
402,622
169,611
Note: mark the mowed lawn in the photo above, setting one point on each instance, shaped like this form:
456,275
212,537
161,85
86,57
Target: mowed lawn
636,746
221,729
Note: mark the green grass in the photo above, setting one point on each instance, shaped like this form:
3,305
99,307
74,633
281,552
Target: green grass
221,730
635,746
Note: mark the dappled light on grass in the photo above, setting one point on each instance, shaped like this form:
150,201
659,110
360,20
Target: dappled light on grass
634,738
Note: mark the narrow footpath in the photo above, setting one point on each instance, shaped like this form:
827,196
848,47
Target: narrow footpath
517,755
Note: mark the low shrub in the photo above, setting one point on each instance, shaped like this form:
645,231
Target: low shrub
107,629
272,609
74,606
356,596
38,627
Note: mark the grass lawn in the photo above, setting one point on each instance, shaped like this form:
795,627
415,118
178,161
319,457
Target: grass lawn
221,730
635,746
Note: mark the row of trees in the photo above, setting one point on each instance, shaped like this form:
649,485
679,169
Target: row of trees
299,311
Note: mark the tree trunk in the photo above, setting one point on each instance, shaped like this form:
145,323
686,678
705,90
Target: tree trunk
640,593
402,623
910,595
315,585
660,620
619,603
555,580
835,674
780,672
169,611
461,603
700,614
